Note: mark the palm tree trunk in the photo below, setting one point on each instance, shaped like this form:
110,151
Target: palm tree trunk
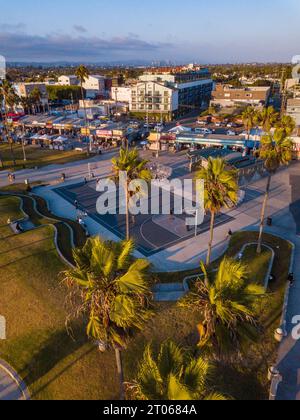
127,215
24,152
212,225
85,118
12,152
1,162
263,215
120,373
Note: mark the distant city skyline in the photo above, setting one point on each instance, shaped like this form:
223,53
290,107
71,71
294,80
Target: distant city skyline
225,31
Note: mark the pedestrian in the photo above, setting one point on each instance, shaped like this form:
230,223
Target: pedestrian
230,234
76,204
291,278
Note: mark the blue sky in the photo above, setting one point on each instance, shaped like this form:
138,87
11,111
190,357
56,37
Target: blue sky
220,31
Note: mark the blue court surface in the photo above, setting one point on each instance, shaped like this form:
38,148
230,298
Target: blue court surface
150,237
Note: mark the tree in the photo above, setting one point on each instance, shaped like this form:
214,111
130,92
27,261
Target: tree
135,168
60,93
10,99
225,304
220,190
248,117
112,290
275,150
267,119
26,104
287,125
82,74
35,98
172,375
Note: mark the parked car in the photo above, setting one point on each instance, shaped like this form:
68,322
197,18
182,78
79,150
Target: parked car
231,133
203,131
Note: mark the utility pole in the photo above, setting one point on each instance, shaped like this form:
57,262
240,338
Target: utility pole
23,144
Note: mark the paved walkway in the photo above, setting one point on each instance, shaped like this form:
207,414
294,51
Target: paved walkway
187,254
11,386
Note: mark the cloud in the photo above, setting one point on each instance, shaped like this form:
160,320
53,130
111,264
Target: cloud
7,27
79,28
57,47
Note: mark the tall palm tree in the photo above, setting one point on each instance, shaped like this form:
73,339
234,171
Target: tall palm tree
129,162
82,75
10,99
225,304
249,118
111,289
220,190
275,150
172,375
267,119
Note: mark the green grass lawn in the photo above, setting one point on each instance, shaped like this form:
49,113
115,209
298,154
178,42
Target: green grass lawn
252,261
36,156
57,367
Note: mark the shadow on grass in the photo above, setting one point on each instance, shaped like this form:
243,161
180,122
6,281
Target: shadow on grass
236,382
56,348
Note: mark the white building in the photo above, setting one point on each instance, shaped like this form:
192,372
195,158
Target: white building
154,98
122,94
94,86
68,81
171,95
293,109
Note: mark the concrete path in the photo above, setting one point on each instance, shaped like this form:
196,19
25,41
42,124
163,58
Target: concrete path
170,292
12,387
187,254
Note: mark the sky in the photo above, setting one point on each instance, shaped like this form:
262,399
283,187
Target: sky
202,31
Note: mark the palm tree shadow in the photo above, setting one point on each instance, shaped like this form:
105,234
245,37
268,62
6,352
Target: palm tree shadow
56,348
241,385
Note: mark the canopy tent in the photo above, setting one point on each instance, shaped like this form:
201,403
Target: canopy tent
61,139
180,129
46,137
36,137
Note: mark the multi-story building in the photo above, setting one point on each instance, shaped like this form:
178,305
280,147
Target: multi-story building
293,109
68,80
24,90
95,86
226,95
122,93
171,95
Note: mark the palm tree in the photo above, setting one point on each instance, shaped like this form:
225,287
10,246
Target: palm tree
111,289
26,104
225,304
36,98
82,75
275,150
172,375
249,116
10,98
267,119
220,190
287,124
130,163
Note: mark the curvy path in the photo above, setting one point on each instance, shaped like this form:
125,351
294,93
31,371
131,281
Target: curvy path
12,388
